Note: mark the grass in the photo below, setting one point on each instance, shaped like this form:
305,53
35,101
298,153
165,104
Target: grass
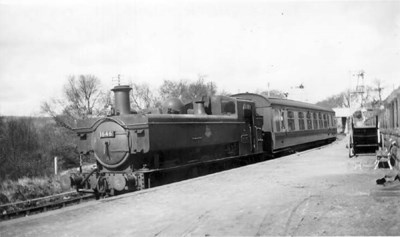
28,188
25,189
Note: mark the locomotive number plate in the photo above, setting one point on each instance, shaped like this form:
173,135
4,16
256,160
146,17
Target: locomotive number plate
107,134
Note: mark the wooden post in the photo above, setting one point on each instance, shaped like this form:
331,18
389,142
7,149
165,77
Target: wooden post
80,163
55,165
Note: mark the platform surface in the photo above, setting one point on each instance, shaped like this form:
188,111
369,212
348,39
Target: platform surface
318,192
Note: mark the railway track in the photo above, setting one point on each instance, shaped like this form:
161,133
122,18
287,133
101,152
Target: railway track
38,205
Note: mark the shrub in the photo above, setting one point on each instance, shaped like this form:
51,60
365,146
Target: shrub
29,188
28,147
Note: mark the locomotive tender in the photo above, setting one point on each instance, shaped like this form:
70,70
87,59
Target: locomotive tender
134,150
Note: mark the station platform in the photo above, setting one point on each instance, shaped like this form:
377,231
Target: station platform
316,192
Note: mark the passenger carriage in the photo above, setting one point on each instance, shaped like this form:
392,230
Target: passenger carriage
292,124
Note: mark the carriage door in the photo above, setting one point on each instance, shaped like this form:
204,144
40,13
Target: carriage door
247,137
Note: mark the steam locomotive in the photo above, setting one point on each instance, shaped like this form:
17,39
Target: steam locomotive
134,151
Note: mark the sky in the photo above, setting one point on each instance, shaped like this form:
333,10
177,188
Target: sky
241,45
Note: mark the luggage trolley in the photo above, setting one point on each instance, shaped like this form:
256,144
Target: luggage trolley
364,139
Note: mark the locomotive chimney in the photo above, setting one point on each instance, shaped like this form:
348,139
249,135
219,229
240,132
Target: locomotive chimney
122,101
199,107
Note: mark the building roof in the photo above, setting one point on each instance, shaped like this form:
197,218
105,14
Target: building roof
393,95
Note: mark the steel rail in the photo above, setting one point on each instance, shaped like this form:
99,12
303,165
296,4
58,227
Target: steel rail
37,199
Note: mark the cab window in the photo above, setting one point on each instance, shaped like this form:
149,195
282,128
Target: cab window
228,107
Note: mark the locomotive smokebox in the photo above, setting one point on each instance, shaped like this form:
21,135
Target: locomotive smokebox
122,101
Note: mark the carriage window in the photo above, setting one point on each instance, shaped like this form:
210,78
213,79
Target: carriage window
320,120
325,118
301,121
291,126
329,120
315,122
278,120
309,121
277,116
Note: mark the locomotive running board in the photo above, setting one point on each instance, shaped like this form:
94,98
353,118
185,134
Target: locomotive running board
203,162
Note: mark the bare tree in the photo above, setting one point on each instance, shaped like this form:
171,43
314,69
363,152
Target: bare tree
3,140
201,88
341,100
142,97
187,91
62,118
83,98
173,89
19,146
346,99
378,88
83,94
